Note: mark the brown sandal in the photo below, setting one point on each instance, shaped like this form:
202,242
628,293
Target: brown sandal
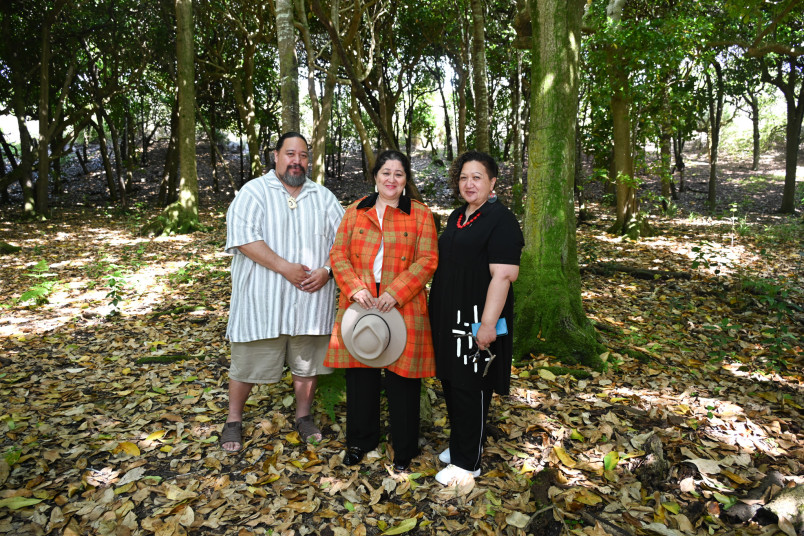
232,433
307,429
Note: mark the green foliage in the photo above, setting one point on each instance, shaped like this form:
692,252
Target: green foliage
39,292
331,391
705,256
116,281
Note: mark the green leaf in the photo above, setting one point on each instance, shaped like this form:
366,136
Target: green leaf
15,503
611,460
349,506
726,501
402,528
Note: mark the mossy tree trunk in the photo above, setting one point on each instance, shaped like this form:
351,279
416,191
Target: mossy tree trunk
182,215
549,315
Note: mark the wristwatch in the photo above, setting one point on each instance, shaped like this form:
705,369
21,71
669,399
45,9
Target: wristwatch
329,271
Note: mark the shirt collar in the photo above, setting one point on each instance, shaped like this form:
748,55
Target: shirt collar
371,200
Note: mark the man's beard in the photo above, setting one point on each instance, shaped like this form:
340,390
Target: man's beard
294,177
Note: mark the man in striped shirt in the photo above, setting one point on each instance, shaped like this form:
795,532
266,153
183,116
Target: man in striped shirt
280,228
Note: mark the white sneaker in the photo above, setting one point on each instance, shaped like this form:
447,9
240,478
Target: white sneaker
453,473
444,457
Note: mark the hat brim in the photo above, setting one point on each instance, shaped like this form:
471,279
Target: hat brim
396,326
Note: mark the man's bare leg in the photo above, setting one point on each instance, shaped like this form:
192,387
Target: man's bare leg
238,394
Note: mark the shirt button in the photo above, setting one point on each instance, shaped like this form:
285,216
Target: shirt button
361,231
405,234
403,258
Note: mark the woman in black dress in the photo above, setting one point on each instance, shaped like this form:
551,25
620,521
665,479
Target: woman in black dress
479,255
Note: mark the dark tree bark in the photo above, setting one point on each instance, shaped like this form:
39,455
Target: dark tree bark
791,84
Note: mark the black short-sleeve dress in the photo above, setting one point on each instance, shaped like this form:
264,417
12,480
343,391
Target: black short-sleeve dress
458,295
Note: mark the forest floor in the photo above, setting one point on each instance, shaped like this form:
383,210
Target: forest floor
114,368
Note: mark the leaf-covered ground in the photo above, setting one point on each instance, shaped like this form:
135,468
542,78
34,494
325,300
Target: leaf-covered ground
114,375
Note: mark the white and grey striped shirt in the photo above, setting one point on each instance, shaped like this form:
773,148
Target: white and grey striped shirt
264,304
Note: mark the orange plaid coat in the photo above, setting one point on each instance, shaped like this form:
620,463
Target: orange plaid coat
411,255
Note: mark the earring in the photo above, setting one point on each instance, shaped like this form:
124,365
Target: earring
376,189
493,197
405,190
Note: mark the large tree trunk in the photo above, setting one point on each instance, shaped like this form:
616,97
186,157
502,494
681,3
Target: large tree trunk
288,65
182,216
549,315
480,77
714,93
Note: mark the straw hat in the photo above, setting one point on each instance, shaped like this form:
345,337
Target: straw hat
374,338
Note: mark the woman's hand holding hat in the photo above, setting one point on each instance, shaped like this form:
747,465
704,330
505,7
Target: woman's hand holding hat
364,298
386,302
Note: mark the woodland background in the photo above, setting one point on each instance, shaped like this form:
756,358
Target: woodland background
651,150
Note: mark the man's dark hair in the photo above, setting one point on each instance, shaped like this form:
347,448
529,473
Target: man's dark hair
287,135
471,156
385,156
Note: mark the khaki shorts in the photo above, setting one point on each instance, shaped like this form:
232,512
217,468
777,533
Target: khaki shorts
263,361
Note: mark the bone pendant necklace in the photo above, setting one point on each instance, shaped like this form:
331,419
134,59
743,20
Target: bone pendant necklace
292,202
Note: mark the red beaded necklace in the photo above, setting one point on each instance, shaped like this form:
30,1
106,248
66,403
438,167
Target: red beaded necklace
469,222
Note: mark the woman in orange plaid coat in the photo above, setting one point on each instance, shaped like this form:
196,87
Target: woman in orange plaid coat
385,252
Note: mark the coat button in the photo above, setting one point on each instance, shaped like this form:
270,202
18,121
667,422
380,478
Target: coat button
403,258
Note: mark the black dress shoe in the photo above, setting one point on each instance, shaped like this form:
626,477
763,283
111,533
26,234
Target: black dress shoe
353,455
401,465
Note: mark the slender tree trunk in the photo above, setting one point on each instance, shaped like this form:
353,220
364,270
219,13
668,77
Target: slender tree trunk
167,186
104,151
753,101
213,148
714,91
362,133
665,156
516,135
480,77
118,160
518,189
56,144
322,110
43,175
447,130
623,160
793,135
549,315
244,96
288,65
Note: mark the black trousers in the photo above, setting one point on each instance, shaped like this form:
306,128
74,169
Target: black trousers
363,387
468,409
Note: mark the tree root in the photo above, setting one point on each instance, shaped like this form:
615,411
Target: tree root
640,273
